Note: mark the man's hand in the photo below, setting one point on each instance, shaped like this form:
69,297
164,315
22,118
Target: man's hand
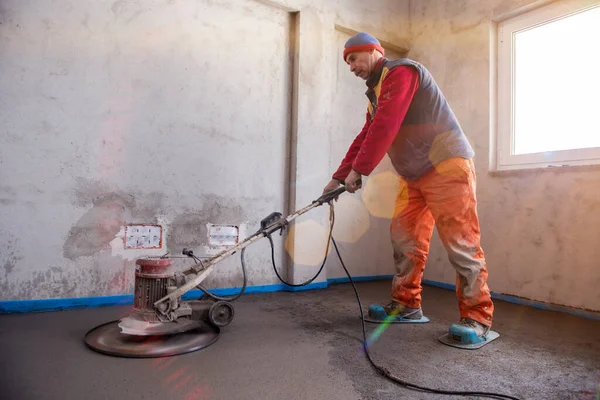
332,185
351,182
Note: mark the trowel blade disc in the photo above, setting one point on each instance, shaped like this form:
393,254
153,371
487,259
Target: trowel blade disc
132,326
108,339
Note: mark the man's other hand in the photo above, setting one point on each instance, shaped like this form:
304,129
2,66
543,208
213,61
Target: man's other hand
351,182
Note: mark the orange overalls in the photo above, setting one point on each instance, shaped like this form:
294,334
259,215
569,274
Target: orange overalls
444,196
409,119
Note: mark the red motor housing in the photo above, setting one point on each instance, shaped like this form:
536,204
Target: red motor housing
152,278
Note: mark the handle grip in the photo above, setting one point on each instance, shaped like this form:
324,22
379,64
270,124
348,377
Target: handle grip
327,197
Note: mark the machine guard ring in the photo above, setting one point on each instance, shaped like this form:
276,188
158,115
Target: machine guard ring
108,339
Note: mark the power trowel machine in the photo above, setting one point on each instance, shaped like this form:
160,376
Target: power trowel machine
161,323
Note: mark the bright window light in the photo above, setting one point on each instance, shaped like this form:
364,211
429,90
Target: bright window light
548,87
557,85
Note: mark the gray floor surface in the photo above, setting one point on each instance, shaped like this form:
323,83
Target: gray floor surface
307,345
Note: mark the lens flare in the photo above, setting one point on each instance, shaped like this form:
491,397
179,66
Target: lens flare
306,243
373,337
380,194
352,220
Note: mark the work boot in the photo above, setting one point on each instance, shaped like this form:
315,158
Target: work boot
478,327
468,331
396,309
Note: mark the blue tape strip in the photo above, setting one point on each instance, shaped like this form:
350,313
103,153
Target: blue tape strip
23,306
194,294
526,302
345,279
442,285
26,306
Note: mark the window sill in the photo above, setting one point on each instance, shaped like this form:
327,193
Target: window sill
519,170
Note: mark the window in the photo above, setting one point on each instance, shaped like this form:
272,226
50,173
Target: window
549,87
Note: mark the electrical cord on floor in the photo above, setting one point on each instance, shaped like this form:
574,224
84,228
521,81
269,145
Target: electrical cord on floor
382,370
385,372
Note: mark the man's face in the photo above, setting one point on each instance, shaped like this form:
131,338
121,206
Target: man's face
361,63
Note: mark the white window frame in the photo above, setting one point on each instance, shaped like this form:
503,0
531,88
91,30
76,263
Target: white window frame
506,31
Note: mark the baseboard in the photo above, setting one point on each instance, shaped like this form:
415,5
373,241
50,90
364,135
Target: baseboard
25,306
526,302
42,305
367,278
442,285
196,293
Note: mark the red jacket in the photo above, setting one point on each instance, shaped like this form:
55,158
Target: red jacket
374,140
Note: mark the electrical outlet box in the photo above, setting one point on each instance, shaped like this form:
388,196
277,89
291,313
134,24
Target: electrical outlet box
143,237
223,235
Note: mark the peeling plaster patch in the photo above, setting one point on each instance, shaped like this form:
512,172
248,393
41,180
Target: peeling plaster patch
189,229
102,227
148,206
90,192
97,228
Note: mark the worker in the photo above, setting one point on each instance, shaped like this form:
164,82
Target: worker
409,119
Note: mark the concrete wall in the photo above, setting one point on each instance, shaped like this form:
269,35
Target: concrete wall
178,113
117,112
539,227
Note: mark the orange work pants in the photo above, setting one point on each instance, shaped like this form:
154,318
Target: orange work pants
444,196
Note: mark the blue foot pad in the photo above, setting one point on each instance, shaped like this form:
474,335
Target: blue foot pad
462,338
378,315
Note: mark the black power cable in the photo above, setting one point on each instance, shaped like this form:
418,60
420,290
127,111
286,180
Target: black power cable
268,235
381,370
329,238
230,298
385,372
